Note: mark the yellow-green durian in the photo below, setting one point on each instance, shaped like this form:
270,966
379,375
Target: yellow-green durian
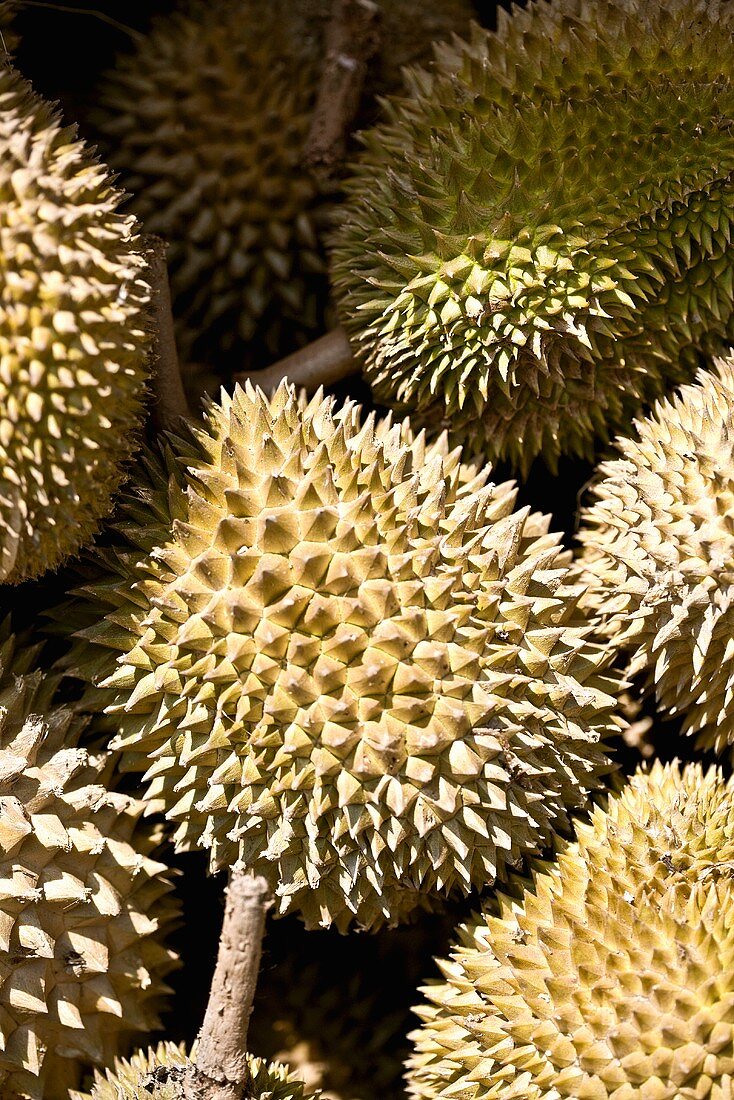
612,976
84,904
350,663
157,1074
73,340
207,123
536,241
657,555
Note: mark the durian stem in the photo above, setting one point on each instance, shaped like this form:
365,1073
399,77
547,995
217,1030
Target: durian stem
325,361
170,399
220,1070
352,38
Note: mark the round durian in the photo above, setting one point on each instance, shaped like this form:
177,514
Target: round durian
657,555
612,976
206,122
83,902
536,242
73,337
157,1074
351,664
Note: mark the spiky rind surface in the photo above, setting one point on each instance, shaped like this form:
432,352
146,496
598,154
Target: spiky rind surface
536,242
612,978
83,904
207,122
353,666
73,342
658,552
157,1075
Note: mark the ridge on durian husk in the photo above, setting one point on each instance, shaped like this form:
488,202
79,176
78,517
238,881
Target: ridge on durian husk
612,975
206,122
73,341
535,244
84,903
157,1074
657,546
350,664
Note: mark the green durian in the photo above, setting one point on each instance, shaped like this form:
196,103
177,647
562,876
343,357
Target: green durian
206,123
657,555
536,242
157,1074
612,976
347,661
73,337
83,902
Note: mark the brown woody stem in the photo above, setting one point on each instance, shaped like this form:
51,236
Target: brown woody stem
220,1071
170,399
352,37
325,361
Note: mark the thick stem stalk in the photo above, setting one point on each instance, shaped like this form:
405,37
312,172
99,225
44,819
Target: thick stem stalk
322,363
220,1070
170,399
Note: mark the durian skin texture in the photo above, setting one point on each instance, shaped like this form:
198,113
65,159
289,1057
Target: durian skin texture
206,123
535,244
84,905
657,547
157,1074
612,977
353,667
73,337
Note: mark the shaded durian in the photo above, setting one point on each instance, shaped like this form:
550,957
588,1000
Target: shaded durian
657,558
73,341
612,976
350,664
83,902
158,1075
207,123
536,242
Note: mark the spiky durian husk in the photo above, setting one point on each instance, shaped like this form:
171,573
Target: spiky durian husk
158,1075
352,665
207,123
613,976
536,242
657,552
83,903
73,344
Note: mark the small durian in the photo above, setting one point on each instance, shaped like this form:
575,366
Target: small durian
206,123
83,903
349,663
536,242
157,1074
73,337
657,557
612,976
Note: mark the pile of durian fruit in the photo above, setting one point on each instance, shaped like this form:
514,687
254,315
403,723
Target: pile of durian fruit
328,638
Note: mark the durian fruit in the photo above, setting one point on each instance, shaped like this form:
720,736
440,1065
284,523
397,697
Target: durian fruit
73,339
206,123
657,555
612,977
157,1074
351,665
536,242
83,901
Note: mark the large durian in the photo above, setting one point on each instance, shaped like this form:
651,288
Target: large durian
536,242
157,1074
657,554
83,903
73,342
612,976
349,663
207,123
